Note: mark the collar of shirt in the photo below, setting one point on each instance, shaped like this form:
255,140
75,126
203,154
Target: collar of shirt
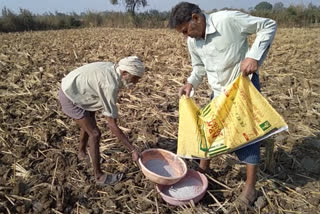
210,29
118,75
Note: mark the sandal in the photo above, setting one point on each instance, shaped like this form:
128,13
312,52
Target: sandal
111,179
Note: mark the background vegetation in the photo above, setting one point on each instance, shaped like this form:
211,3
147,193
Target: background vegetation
25,20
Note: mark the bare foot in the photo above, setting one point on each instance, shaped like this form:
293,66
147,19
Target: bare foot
101,179
244,203
109,179
248,200
83,156
249,193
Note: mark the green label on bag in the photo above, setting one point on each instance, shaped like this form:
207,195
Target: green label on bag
265,125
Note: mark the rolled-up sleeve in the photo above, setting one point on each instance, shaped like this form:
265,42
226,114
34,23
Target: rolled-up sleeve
108,98
198,69
264,29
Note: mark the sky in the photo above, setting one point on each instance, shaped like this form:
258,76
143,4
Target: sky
78,6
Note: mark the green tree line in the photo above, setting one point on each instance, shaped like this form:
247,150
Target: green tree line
24,20
292,16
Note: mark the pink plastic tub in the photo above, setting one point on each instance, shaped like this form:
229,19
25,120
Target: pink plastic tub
162,167
191,188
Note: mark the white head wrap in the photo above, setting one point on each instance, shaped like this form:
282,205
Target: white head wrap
132,65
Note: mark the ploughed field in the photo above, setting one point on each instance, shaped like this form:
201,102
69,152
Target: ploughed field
39,169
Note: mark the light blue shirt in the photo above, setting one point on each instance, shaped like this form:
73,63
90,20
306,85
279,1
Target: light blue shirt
225,45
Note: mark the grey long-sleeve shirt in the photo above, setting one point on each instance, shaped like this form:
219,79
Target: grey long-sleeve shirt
93,87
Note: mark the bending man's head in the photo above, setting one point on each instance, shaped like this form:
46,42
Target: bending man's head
188,19
131,70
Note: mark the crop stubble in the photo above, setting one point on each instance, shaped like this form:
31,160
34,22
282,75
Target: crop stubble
39,168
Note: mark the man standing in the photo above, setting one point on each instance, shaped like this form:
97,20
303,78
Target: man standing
218,47
94,87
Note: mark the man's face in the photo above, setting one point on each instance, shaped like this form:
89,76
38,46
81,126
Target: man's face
129,80
195,28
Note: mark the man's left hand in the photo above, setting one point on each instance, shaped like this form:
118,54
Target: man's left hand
248,66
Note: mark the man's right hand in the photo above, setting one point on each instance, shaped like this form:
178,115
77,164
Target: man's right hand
135,155
185,90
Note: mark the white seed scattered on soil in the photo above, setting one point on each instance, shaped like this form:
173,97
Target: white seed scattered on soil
187,188
160,167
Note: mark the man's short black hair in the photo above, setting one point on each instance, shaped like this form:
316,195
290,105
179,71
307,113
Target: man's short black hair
182,13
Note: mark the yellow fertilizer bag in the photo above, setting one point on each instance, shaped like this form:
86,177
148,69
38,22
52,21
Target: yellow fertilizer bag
238,117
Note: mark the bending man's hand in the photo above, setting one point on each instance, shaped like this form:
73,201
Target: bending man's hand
122,137
248,66
185,90
135,155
